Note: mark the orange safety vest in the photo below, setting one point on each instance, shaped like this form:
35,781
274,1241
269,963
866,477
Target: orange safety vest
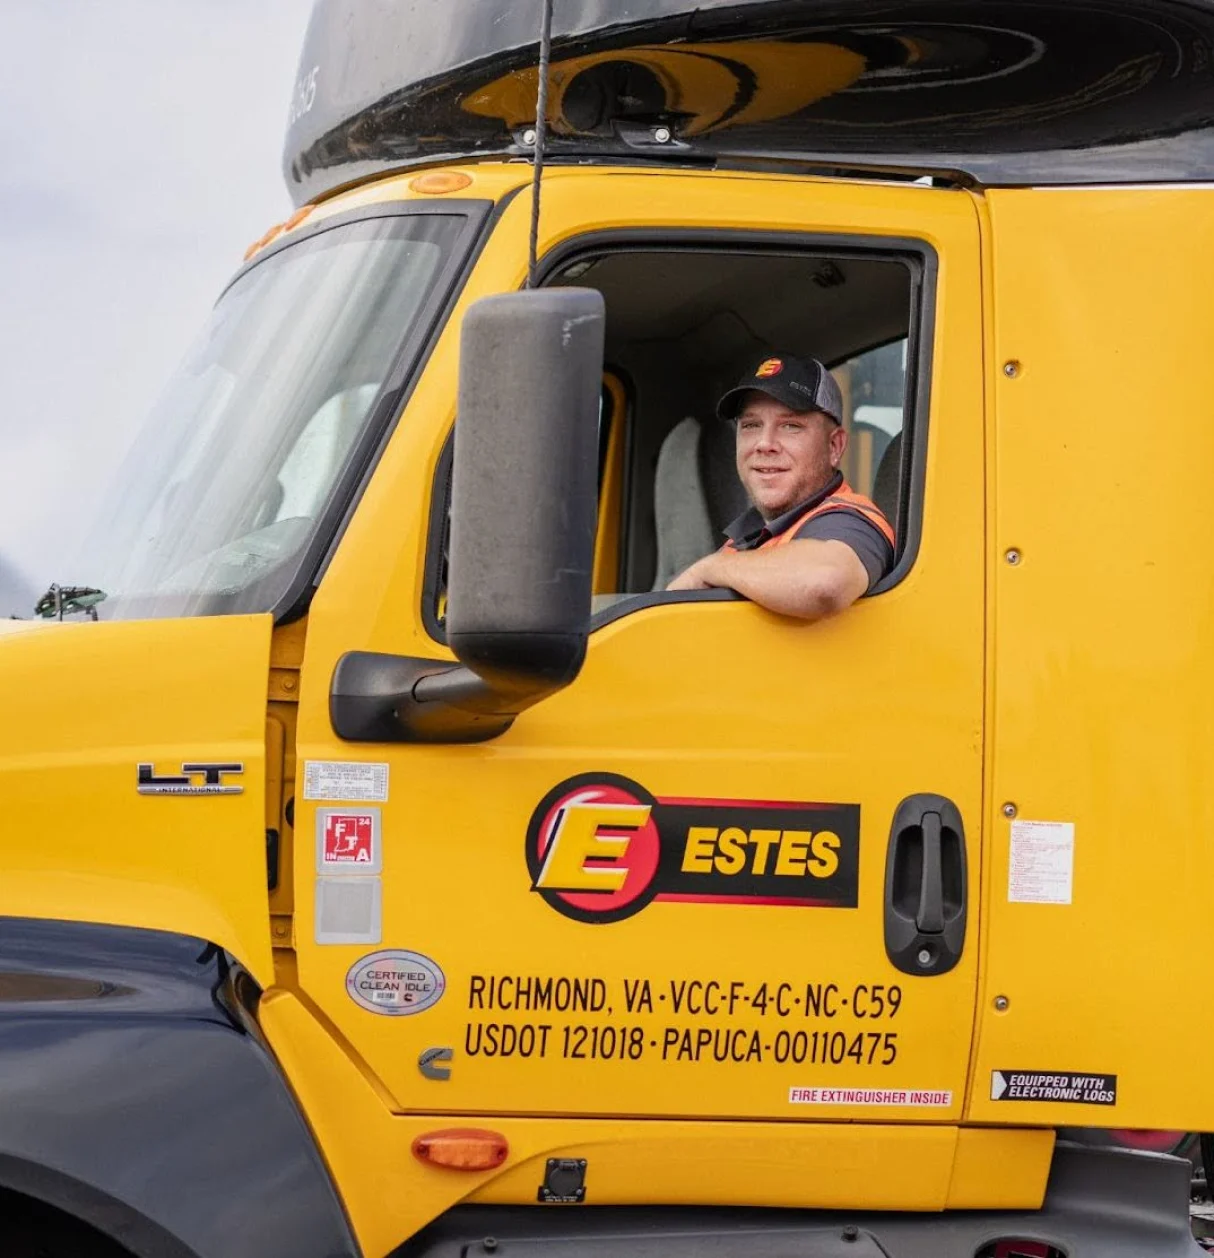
844,498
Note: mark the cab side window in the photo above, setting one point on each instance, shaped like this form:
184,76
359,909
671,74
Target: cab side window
682,326
683,322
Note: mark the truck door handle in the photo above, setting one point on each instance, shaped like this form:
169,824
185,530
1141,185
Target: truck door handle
925,886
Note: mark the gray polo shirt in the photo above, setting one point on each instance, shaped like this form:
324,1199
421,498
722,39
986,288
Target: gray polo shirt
749,531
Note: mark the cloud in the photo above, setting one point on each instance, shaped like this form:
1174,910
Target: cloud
141,144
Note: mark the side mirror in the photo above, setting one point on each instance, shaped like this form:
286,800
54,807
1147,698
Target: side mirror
523,515
524,489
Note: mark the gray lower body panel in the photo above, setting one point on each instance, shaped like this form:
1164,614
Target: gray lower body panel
1101,1203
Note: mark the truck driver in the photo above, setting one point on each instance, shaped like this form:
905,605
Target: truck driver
790,442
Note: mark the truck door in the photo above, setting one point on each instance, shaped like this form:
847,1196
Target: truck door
786,817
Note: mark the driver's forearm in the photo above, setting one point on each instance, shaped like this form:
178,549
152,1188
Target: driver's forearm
788,580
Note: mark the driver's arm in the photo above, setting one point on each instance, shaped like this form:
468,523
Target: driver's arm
808,579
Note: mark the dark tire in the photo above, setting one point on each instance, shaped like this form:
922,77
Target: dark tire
30,1229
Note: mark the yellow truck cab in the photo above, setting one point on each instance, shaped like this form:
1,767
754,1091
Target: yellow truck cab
391,864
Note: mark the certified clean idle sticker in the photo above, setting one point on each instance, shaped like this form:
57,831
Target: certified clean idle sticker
395,982
1053,1085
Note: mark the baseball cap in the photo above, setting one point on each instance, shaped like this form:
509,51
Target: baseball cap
801,384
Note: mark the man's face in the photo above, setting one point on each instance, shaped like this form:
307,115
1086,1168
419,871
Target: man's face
785,456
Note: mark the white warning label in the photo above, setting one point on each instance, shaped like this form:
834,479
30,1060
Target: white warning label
922,1097
345,780
1041,867
1053,1085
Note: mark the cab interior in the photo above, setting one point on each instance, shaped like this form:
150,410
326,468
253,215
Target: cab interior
683,325
684,322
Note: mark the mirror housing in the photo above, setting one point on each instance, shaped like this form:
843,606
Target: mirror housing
524,506
524,488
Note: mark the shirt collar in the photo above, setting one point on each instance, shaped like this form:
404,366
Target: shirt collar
750,529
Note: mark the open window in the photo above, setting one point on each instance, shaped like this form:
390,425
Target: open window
683,323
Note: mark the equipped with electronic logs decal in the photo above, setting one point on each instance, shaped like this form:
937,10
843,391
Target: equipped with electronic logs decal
423,845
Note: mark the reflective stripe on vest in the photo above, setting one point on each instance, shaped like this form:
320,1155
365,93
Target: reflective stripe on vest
843,499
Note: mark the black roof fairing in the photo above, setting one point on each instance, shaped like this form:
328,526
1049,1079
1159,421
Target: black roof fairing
1000,91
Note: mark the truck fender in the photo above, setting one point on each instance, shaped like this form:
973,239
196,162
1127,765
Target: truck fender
137,1094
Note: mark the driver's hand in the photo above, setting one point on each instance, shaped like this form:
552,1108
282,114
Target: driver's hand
697,577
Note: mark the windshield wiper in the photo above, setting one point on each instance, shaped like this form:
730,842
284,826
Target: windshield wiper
67,600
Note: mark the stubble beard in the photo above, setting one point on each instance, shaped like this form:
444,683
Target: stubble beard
806,487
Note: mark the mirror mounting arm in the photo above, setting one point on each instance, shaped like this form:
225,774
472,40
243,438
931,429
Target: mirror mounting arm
405,699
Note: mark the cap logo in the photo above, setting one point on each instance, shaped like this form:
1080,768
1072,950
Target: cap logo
771,367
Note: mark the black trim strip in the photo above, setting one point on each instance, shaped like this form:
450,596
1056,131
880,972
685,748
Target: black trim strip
434,579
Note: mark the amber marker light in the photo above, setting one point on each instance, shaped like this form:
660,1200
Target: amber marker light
437,182
262,241
462,1149
298,217
277,230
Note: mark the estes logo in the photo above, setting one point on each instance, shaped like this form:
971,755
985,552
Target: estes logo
770,367
600,848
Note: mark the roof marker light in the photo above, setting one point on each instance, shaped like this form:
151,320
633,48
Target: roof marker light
436,182
278,229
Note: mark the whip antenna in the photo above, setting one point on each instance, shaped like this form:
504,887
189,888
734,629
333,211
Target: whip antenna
541,135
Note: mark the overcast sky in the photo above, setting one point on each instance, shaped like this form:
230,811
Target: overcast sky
140,145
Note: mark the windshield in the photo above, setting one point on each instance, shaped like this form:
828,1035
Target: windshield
216,506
